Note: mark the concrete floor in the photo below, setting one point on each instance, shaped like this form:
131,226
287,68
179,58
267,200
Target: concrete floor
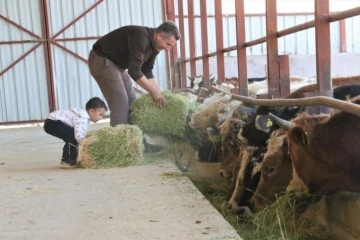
39,200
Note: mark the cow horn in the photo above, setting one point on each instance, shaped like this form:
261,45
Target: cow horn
284,124
309,101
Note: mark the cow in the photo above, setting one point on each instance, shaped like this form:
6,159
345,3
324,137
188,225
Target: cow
324,150
276,171
212,112
228,130
346,92
240,162
352,82
251,134
236,151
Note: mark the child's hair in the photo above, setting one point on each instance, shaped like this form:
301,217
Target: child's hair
95,103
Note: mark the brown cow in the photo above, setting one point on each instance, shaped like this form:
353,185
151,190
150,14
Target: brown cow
276,171
336,81
325,152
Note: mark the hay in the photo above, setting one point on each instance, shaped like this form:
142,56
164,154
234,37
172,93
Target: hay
283,220
118,146
85,159
167,121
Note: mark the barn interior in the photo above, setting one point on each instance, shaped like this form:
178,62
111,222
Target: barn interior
244,63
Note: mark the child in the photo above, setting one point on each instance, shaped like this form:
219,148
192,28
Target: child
72,125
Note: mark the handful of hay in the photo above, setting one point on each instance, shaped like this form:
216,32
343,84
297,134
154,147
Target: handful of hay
168,121
118,146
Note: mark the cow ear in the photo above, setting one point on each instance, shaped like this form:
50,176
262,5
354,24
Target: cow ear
263,123
299,136
285,147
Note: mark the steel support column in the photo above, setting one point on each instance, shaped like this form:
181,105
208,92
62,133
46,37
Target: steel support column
204,43
241,49
219,41
272,49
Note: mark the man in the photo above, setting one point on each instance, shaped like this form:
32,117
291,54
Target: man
129,51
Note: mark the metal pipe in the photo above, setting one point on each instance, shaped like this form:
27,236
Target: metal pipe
331,17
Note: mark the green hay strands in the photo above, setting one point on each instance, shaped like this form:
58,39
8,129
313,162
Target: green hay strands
167,121
118,146
281,220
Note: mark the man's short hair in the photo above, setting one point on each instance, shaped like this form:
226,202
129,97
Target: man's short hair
95,103
168,29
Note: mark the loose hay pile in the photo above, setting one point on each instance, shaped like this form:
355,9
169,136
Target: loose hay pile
284,219
118,146
169,121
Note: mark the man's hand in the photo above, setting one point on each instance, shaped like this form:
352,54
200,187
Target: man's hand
159,100
153,89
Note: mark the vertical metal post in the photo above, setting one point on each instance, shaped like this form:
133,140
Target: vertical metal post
342,35
204,43
284,75
182,66
241,49
219,41
272,49
47,54
192,37
323,58
172,54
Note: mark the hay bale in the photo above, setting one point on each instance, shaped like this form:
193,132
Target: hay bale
84,158
169,121
118,146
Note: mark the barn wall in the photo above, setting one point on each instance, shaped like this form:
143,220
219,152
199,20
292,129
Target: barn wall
24,93
73,83
23,89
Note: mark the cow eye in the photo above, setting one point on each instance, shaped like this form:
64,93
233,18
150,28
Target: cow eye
270,170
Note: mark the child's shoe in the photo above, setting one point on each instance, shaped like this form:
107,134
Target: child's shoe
68,163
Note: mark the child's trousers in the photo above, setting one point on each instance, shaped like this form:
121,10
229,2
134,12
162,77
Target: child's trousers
60,130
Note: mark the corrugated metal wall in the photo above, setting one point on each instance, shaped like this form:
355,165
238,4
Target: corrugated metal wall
23,87
74,85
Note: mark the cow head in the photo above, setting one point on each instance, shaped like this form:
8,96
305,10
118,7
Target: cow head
230,143
251,134
210,115
324,151
276,171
